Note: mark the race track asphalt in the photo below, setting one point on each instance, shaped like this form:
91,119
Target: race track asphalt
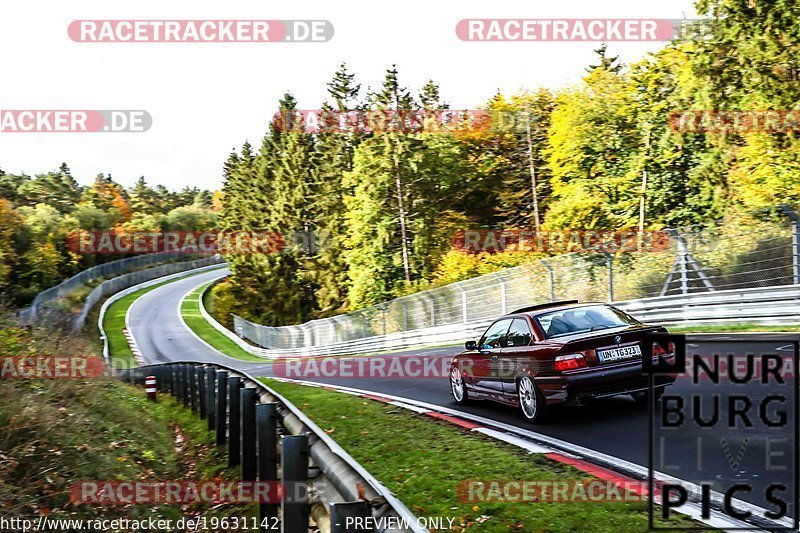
617,426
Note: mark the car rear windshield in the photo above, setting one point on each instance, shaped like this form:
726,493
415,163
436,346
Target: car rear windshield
589,318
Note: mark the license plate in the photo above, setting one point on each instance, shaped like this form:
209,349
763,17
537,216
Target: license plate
619,354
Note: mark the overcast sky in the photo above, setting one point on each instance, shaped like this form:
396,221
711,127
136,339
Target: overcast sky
207,98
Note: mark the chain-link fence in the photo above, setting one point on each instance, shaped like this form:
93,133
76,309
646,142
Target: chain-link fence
48,305
709,259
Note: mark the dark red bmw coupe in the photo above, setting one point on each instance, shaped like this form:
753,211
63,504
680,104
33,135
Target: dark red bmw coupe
555,353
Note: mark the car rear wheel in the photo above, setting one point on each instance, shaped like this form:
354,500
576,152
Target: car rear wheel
531,401
457,387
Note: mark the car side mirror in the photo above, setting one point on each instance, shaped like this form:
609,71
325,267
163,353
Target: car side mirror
471,345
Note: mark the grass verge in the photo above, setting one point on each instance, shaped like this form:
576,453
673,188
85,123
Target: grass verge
423,460
114,322
56,432
190,311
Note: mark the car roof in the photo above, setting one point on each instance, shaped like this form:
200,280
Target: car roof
540,309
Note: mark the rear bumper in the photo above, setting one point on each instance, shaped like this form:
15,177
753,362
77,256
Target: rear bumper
598,382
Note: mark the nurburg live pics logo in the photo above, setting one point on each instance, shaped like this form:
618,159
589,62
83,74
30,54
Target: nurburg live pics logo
746,429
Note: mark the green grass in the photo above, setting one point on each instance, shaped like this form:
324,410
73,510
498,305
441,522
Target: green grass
422,461
114,322
56,432
190,311
61,432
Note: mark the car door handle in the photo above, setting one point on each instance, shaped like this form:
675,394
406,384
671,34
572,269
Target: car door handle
495,358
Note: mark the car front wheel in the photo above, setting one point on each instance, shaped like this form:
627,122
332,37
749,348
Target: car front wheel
531,401
457,387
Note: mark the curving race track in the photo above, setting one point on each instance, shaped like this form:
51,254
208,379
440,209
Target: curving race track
614,426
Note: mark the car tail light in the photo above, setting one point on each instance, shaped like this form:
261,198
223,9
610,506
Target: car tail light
660,352
569,362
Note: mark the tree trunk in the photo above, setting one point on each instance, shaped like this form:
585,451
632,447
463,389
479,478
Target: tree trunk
533,179
402,212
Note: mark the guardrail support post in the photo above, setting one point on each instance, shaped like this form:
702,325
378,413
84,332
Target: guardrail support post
211,402
163,378
202,397
187,393
248,401
341,511
294,474
179,383
192,375
266,427
222,407
234,421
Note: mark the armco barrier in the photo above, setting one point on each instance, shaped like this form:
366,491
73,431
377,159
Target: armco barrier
697,261
767,305
112,268
261,429
75,321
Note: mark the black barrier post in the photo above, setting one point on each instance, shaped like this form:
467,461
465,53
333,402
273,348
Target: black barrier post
248,401
294,473
179,382
202,397
173,381
266,424
222,407
192,375
187,392
234,421
161,375
211,383
341,511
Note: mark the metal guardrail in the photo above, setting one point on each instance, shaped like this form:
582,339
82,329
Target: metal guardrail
112,268
696,262
75,321
262,430
768,305
254,350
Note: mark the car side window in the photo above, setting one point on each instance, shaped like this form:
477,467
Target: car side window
494,336
519,334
